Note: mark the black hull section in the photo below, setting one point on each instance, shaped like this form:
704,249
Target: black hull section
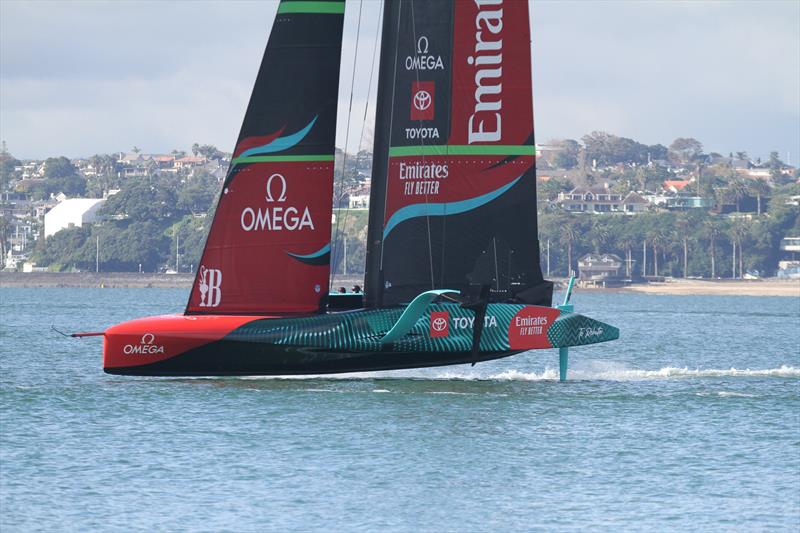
237,358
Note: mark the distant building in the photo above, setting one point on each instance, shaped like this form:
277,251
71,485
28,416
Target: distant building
72,212
600,269
190,161
359,198
600,199
675,186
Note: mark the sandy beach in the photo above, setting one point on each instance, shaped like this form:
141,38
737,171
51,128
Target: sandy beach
770,287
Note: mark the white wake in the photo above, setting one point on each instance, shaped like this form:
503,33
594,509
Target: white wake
592,373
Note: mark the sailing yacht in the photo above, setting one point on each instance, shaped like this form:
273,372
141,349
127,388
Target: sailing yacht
452,267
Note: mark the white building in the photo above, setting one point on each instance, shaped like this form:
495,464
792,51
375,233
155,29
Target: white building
359,198
71,212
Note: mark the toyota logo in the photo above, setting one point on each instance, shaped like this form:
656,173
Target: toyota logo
422,100
439,324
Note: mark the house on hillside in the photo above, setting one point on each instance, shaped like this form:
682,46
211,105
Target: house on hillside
600,199
600,269
190,161
358,198
675,186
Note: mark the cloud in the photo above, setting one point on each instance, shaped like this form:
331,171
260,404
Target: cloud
79,78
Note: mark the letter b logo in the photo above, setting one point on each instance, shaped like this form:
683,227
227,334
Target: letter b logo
210,291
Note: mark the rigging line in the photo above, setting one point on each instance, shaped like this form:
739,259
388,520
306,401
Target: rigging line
332,273
366,109
496,272
448,122
422,143
391,119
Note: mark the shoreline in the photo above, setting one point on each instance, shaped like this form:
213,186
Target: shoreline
733,287
677,287
111,280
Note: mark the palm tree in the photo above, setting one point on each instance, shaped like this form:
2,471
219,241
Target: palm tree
712,230
737,189
627,243
599,236
659,238
759,187
737,233
682,230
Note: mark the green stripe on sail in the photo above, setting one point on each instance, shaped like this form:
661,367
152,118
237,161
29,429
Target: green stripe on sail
280,158
328,8
466,149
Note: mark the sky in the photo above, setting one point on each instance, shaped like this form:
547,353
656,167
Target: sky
86,77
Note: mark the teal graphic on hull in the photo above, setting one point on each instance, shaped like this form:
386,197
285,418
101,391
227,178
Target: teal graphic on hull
363,330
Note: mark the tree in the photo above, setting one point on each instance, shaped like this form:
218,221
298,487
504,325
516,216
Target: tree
657,151
567,154
198,194
712,230
598,235
143,202
737,189
686,148
551,188
60,176
5,232
658,235
136,149
775,161
651,174
7,164
759,187
208,151
607,149
124,246
58,167
682,226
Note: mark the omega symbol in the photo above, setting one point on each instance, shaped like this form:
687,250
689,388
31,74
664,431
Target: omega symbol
422,45
282,188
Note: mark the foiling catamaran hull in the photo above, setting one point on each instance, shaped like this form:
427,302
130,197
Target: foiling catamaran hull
351,341
452,211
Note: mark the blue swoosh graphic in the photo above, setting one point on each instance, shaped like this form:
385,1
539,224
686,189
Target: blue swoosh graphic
281,143
453,208
313,255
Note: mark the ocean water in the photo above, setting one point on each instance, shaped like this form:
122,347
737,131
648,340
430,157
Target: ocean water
691,421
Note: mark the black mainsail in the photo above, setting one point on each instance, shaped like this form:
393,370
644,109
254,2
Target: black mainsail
453,202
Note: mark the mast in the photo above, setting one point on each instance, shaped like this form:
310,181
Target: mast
373,279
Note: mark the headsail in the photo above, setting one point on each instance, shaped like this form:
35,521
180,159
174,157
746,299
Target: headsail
454,185
269,245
